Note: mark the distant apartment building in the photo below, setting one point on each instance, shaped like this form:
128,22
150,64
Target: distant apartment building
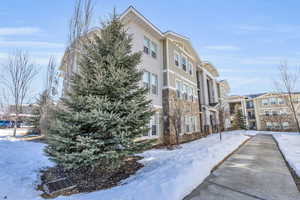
8,112
268,111
173,72
273,112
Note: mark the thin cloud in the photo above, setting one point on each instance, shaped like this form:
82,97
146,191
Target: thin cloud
40,58
223,48
5,31
279,28
39,44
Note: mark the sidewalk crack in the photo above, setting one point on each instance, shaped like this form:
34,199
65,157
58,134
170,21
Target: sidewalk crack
244,193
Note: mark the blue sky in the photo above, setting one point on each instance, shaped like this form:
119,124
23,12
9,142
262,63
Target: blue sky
245,40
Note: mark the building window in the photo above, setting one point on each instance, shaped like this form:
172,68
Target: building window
146,80
154,84
192,94
280,101
249,104
176,59
178,89
153,126
146,45
265,102
275,112
150,80
295,100
153,48
276,125
285,125
269,125
184,91
190,68
187,124
267,113
283,111
273,101
193,123
183,62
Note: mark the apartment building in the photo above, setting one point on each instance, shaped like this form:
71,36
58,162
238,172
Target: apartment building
246,105
267,111
273,112
173,73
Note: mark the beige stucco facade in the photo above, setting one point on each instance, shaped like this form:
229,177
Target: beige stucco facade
268,111
174,72
274,113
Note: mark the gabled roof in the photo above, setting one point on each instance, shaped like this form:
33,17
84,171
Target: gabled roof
131,11
225,84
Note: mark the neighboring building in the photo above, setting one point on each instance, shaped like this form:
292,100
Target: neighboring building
267,111
173,72
273,112
8,112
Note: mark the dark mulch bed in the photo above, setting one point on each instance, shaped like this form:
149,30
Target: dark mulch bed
89,181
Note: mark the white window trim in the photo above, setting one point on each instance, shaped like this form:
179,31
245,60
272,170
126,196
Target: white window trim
186,62
179,61
150,83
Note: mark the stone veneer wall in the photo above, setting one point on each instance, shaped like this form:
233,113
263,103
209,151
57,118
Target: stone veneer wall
169,131
279,119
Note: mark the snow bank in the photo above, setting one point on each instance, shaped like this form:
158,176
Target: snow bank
167,175
289,144
19,165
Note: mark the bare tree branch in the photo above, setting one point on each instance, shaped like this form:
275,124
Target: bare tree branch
79,26
287,85
19,72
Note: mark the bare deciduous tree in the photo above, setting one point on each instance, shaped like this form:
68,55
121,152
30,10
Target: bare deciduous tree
19,72
287,84
46,99
4,103
222,116
79,26
175,117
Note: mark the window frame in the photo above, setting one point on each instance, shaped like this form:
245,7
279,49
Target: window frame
179,88
153,49
271,125
148,81
177,56
146,45
155,84
190,68
285,127
273,101
280,101
265,102
184,65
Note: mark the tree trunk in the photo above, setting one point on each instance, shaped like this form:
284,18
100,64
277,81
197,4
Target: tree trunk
15,127
220,132
294,112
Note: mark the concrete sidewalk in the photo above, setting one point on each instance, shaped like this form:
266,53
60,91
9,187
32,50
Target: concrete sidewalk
256,171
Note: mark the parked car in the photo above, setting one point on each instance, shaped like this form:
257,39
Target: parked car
5,124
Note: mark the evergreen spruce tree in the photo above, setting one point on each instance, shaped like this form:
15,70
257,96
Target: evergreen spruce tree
106,108
239,120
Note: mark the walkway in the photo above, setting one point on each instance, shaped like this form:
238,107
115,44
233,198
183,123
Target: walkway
257,171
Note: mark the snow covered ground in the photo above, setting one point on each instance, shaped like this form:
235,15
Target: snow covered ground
288,142
167,175
20,162
10,131
289,145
